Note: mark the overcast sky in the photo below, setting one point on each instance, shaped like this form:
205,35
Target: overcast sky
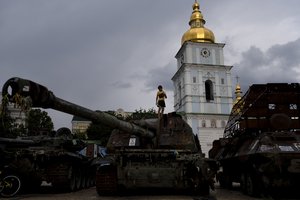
110,54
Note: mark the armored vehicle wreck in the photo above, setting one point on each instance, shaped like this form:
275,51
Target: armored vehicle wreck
152,153
261,144
52,157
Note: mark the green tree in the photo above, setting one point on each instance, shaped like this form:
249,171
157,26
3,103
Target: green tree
38,120
142,114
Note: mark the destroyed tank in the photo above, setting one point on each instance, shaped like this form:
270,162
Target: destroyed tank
159,153
53,157
261,144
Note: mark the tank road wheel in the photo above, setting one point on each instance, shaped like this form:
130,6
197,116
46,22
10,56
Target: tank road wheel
84,178
92,178
88,180
204,188
243,183
69,183
252,185
72,182
106,181
78,178
199,185
65,179
225,180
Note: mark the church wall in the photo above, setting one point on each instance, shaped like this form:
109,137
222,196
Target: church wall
196,105
208,128
206,137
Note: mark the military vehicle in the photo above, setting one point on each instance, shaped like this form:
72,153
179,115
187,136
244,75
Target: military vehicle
52,157
151,153
261,144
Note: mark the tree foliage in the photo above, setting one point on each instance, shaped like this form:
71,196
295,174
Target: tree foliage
38,120
142,114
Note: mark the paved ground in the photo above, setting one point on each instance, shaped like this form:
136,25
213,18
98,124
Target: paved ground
91,194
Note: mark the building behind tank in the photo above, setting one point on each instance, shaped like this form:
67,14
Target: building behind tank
202,82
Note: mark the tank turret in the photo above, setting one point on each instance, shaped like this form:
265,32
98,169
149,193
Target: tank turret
148,153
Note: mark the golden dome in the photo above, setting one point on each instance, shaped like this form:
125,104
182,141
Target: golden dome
237,88
197,32
238,93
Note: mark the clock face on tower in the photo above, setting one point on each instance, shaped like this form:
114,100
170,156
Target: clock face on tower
205,52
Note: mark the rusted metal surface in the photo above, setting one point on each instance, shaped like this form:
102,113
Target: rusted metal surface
50,158
266,107
261,144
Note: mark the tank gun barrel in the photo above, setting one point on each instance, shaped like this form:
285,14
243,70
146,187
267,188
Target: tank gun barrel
39,96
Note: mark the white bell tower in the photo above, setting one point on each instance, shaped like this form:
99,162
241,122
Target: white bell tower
202,83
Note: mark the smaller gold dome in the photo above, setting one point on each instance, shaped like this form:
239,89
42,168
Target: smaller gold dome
196,13
197,32
238,93
237,88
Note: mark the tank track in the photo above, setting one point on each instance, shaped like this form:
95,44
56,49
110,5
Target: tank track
61,177
69,178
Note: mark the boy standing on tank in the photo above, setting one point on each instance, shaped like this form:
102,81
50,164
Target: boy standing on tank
160,100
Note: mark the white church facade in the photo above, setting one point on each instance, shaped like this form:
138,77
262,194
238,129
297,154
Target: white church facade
202,83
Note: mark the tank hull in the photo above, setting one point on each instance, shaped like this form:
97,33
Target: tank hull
154,169
269,170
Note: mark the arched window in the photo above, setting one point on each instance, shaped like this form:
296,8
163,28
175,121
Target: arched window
203,123
213,123
209,91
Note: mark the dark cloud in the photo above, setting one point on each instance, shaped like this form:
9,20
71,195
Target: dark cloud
112,54
279,63
161,76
